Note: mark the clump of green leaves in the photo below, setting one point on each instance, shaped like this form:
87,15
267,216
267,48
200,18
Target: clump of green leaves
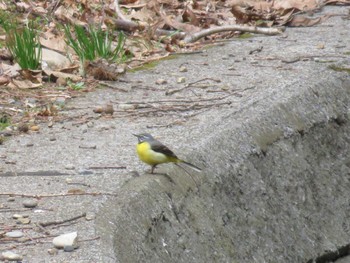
22,42
4,121
92,43
75,86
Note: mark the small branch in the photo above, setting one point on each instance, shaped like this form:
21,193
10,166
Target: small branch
59,222
171,92
55,195
106,167
119,11
251,29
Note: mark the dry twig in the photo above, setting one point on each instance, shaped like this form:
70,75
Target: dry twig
59,222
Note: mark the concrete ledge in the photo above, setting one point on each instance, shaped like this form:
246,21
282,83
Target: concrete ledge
275,188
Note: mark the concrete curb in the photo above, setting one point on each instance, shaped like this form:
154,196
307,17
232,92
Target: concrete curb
276,190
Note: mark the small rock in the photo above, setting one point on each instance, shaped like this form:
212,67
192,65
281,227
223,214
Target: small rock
16,216
183,69
11,256
161,81
320,46
52,251
52,139
65,240
69,180
30,203
69,248
50,124
14,234
23,221
90,216
90,124
98,109
181,80
35,128
11,199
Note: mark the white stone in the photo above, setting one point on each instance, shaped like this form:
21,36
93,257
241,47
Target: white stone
69,239
54,60
11,256
14,234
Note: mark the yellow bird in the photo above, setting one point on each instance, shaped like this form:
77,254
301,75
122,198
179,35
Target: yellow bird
153,152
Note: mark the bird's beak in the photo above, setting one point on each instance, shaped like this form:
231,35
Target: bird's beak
136,135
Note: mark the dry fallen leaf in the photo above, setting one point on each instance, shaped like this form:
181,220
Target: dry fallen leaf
57,74
24,84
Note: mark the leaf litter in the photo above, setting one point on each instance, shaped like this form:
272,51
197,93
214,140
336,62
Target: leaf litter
154,28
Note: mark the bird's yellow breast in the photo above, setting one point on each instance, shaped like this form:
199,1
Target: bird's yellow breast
147,155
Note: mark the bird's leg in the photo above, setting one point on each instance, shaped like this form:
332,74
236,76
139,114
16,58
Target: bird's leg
152,169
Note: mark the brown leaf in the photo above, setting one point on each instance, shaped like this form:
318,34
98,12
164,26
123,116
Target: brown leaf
25,84
178,25
54,42
189,16
34,76
305,5
4,80
103,70
10,70
57,74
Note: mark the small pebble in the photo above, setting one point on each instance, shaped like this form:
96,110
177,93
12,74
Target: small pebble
14,234
90,216
98,109
11,199
65,240
183,69
50,124
23,221
52,139
68,248
16,216
181,80
90,124
30,203
161,81
11,256
35,128
69,180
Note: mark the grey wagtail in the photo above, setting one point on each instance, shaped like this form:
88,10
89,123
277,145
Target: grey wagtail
153,152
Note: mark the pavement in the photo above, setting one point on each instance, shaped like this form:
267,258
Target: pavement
85,167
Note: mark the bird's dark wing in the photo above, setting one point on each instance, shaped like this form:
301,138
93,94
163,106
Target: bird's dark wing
161,148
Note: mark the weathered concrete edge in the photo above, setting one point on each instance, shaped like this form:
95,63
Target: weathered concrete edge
131,217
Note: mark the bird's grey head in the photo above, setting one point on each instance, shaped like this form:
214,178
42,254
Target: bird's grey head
144,137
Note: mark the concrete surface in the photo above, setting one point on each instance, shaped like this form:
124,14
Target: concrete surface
272,138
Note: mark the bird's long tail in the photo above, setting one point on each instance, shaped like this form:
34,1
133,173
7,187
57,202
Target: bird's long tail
191,166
